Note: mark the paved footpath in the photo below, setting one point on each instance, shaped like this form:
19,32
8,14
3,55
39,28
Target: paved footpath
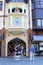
21,61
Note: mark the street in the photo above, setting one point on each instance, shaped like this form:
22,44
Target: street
21,61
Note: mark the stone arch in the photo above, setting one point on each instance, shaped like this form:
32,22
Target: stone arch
15,42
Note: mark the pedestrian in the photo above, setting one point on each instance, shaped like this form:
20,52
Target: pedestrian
32,50
14,52
22,50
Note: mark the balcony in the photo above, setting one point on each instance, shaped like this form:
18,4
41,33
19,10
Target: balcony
16,30
16,14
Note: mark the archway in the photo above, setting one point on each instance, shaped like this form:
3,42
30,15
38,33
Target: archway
16,42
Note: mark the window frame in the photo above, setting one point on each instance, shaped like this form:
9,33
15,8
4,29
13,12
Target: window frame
1,5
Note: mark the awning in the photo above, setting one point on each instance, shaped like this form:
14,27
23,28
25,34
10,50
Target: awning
37,37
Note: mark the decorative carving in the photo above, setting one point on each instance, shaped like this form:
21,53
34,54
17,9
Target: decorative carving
16,8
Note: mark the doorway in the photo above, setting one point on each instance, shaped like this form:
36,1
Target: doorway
16,43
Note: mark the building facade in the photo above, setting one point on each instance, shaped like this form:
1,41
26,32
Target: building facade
14,25
37,24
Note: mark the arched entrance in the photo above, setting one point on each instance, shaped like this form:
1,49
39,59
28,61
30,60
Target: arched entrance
16,43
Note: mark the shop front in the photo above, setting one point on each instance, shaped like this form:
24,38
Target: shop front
38,43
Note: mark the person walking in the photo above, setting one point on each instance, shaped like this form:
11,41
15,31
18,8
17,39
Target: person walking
15,52
22,50
32,50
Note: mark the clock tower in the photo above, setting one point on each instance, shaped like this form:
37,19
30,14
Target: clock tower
16,24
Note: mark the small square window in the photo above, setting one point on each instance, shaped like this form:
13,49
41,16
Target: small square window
8,10
24,11
37,4
38,22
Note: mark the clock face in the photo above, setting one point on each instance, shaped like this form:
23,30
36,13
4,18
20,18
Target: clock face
17,22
